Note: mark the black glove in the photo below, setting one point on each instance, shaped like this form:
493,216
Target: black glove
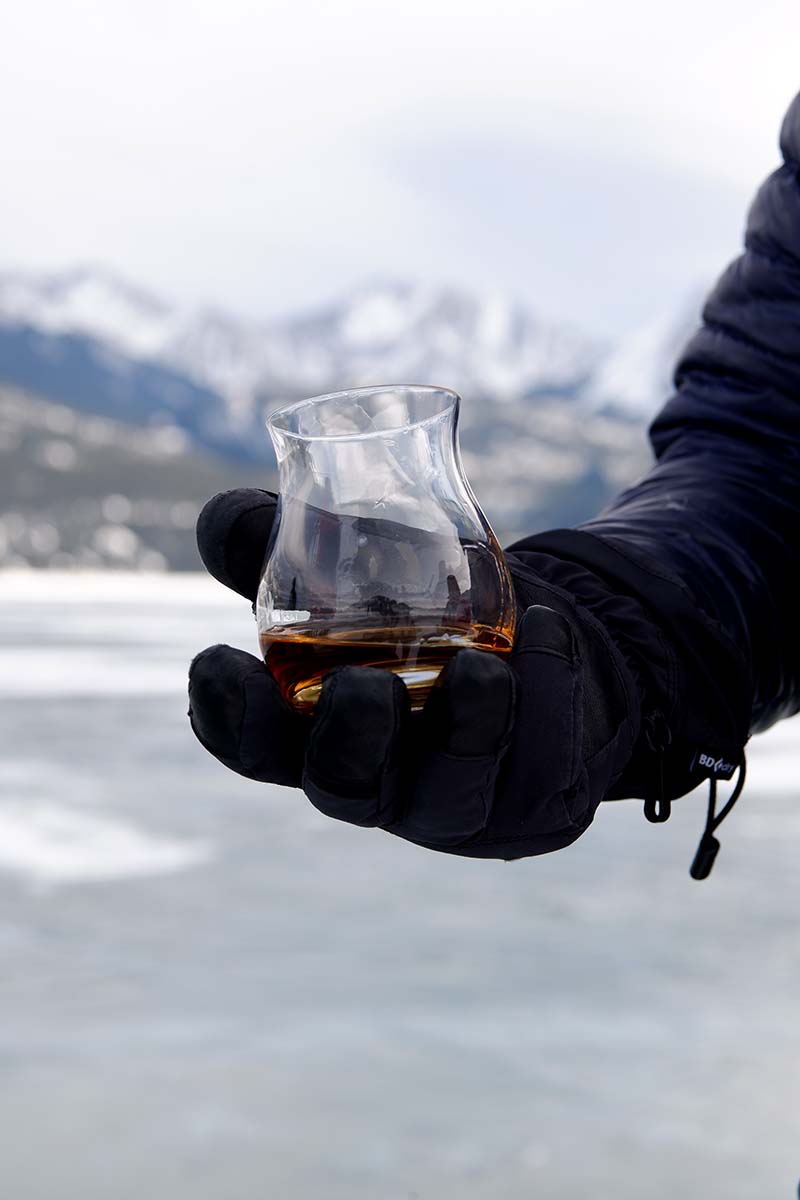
504,761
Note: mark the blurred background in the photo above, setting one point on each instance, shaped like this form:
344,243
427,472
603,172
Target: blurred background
209,210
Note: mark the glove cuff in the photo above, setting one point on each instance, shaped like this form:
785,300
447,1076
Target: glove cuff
611,687
694,683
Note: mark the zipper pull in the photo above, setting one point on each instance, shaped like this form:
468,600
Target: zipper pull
658,736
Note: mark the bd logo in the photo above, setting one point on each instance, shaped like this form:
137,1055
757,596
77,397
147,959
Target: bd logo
715,765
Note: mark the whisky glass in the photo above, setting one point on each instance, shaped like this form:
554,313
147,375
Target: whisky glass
379,555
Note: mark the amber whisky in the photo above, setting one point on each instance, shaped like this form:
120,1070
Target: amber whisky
300,661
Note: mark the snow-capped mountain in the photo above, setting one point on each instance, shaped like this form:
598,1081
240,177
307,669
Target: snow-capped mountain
391,331
553,423
382,331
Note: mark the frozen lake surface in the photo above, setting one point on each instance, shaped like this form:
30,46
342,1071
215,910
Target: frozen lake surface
211,992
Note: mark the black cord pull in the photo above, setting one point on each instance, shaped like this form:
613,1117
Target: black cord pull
703,861
658,808
708,848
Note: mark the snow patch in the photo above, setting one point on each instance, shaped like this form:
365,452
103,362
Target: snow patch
89,301
375,318
49,844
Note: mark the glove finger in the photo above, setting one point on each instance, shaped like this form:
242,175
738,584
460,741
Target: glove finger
467,724
239,715
232,534
545,759
353,759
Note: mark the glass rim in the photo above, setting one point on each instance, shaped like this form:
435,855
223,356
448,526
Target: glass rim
453,400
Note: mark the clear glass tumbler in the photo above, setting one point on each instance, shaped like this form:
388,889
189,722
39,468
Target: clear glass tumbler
379,554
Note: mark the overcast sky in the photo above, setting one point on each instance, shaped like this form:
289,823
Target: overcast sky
594,159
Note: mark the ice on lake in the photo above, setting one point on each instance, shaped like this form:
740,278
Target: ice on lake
211,991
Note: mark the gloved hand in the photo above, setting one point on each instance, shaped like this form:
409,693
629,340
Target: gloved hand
506,760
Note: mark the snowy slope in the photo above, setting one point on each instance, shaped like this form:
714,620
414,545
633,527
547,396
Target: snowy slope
636,376
77,489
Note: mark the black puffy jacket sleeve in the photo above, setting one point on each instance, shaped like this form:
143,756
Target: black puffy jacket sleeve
709,539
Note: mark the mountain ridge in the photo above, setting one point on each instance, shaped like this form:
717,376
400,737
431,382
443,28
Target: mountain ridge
486,342
552,424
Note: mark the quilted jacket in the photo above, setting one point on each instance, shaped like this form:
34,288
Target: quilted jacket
709,539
